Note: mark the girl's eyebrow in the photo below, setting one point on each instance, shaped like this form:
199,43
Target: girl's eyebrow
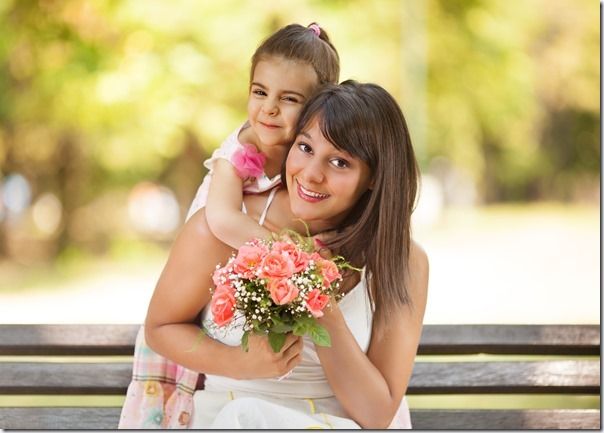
255,83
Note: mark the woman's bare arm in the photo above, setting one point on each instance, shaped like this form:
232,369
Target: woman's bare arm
182,292
370,386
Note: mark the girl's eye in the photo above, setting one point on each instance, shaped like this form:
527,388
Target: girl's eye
291,99
339,163
304,147
259,92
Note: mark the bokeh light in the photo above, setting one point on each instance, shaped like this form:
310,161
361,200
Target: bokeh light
153,209
47,213
16,194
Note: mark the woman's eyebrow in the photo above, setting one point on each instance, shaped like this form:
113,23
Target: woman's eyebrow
293,92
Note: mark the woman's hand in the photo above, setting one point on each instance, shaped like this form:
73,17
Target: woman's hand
261,362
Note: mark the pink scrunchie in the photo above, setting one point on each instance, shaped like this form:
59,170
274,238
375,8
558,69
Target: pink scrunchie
248,162
315,29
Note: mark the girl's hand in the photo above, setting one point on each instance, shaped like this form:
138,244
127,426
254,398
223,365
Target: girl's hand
320,240
260,362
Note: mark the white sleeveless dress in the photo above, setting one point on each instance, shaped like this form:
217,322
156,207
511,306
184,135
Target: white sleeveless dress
302,399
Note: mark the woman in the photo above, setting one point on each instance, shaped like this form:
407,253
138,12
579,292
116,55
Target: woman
350,172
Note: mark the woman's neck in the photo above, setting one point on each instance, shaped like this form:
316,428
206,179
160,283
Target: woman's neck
283,217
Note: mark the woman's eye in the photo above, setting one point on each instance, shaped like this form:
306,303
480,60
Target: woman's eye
304,148
339,163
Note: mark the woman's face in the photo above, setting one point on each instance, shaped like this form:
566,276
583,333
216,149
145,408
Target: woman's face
323,183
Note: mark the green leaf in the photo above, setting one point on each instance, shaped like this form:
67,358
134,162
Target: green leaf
276,341
299,329
244,341
280,328
320,336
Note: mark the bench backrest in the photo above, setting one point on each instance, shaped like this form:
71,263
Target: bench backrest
578,375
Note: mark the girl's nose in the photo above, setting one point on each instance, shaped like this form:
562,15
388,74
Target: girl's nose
270,107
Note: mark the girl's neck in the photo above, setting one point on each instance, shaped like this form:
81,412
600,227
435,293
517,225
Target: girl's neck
275,155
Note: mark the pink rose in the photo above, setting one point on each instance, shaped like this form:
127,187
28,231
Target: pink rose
248,162
316,257
247,260
282,291
297,256
329,271
219,277
276,266
316,302
223,305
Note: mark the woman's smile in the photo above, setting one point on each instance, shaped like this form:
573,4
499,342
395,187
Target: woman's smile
309,195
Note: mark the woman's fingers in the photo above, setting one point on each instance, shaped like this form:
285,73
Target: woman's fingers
294,349
290,340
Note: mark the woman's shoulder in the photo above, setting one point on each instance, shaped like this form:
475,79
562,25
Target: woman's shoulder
419,268
417,254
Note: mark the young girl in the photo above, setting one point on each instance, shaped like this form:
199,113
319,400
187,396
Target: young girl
287,69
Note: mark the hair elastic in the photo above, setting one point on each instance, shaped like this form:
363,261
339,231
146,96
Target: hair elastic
315,29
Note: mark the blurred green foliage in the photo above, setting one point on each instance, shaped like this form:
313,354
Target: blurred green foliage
97,96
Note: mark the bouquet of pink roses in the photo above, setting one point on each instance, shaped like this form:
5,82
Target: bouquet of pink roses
278,286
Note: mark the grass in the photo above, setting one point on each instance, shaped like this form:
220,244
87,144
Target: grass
475,401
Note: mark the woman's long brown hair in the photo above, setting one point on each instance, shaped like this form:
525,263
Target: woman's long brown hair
365,121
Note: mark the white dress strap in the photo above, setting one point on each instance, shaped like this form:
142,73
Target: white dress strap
269,200
271,196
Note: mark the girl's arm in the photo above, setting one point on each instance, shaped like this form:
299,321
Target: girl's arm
371,386
223,208
182,292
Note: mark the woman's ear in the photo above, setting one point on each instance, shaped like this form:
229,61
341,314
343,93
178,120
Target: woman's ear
371,184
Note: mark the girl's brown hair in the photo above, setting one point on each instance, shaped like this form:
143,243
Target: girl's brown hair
296,42
365,121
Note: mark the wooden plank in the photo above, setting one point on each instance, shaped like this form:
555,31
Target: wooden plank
59,378
67,339
59,418
436,339
428,378
32,418
442,419
511,339
581,377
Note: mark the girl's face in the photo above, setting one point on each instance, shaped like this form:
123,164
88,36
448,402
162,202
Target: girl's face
278,91
323,183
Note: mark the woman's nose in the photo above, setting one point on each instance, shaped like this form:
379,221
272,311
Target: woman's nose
313,173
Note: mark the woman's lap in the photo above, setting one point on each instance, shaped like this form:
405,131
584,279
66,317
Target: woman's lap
223,410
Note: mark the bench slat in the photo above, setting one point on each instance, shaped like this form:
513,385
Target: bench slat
511,339
428,377
431,419
59,418
581,377
436,339
67,339
70,378
30,418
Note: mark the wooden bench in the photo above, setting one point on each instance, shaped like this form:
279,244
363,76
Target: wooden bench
33,362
